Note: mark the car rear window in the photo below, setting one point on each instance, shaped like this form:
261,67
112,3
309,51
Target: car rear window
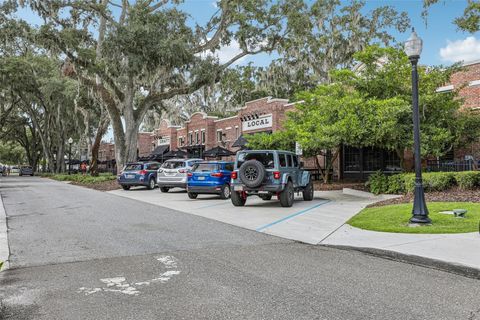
173,164
133,167
266,158
153,166
205,167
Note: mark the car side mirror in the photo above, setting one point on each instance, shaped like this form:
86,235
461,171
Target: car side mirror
302,164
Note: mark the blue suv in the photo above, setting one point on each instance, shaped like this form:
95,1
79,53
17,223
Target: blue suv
212,177
139,174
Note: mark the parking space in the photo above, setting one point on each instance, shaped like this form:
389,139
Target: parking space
306,221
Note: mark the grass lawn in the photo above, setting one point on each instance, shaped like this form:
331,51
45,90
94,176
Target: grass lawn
394,218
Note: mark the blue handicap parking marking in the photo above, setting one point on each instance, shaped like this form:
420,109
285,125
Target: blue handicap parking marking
292,216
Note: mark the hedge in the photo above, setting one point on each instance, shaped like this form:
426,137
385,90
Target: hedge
86,179
432,181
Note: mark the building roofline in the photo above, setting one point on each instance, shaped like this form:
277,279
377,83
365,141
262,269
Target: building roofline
222,119
269,100
470,63
294,103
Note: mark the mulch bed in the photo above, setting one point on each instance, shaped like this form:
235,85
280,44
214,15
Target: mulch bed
320,186
101,186
452,195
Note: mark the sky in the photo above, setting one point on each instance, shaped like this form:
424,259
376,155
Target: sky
443,43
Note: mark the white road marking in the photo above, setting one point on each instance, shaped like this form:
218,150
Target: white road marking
120,284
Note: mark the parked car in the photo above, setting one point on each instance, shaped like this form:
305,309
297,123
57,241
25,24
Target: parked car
14,170
211,177
25,171
139,174
173,173
266,173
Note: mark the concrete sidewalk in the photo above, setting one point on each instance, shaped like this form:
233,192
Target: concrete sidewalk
306,221
4,249
461,249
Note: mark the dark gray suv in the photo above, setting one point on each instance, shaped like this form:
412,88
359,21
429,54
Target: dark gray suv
266,173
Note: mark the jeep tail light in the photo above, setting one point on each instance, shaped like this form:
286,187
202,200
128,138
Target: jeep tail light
143,172
276,175
234,174
217,174
190,174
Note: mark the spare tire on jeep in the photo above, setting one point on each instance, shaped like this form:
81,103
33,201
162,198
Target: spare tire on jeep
252,173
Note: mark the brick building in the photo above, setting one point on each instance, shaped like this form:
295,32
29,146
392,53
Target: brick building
467,82
202,132
146,144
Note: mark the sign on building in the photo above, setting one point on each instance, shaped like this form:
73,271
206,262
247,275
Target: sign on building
261,123
163,141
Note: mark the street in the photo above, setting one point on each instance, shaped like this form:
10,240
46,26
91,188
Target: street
77,253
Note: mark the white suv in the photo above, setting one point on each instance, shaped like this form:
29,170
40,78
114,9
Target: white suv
173,173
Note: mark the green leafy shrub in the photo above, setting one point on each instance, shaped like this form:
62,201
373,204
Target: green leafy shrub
396,184
438,181
377,182
432,181
467,179
86,179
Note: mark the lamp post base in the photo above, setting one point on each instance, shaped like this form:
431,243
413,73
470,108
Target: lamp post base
419,211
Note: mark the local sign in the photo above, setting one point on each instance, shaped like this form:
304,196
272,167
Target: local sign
260,123
163,141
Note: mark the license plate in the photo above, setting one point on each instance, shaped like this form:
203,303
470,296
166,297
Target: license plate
129,176
201,178
238,188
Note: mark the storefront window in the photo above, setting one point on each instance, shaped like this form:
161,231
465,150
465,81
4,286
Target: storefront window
372,158
392,161
352,159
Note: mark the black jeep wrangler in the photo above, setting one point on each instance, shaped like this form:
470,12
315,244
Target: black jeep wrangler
266,173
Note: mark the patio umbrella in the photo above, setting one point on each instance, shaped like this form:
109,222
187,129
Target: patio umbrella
218,152
175,154
241,142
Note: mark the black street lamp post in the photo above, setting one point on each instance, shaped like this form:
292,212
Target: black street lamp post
413,48
70,141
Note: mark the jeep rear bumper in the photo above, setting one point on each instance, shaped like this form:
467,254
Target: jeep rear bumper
270,188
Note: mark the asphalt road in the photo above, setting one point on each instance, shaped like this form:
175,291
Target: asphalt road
83,254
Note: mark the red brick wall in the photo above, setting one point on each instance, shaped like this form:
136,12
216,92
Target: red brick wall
461,80
106,151
471,100
146,143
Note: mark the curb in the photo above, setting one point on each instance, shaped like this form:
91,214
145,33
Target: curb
4,247
454,268
357,193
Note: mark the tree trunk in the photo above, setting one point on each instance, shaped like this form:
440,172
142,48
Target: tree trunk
102,129
401,155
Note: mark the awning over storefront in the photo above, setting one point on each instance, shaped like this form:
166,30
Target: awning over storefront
175,154
218,152
241,142
160,150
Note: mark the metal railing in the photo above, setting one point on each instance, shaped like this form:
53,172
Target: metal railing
445,165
